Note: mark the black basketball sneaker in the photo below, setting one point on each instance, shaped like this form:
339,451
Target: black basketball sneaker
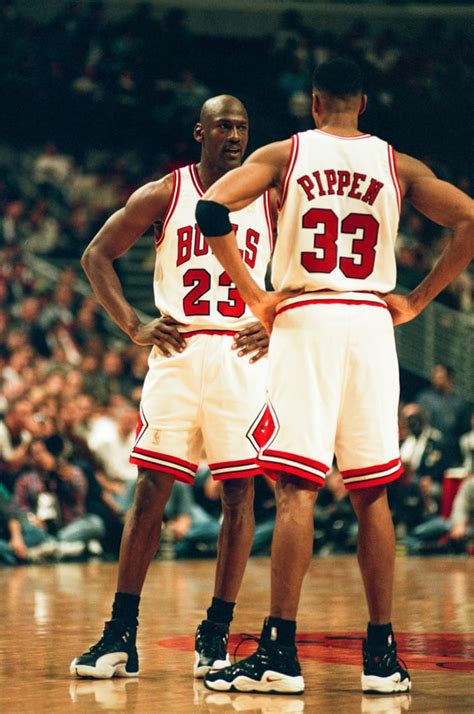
383,673
273,668
210,650
114,655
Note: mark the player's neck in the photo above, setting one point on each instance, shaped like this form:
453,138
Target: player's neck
208,174
339,124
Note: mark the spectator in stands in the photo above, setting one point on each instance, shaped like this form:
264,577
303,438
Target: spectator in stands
437,534
334,519
42,229
12,224
111,441
102,498
27,314
15,436
20,540
423,450
466,445
51,492
449,412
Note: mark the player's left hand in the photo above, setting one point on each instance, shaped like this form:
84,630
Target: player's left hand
253,338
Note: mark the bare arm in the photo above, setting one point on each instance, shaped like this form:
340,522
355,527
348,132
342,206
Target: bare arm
264,169
119,233
446,205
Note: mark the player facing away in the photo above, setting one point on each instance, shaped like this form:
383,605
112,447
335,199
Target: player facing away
201,388
333,383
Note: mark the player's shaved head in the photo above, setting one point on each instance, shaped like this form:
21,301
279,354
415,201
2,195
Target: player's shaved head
223,104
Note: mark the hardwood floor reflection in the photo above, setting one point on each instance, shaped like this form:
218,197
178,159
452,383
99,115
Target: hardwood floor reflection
51,613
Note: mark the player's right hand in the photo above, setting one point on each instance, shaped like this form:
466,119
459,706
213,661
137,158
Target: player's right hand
162,333
265,308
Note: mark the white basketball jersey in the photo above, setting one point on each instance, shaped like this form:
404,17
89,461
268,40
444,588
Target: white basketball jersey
190,284
339,215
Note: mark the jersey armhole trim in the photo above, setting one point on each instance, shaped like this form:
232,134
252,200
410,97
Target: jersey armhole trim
295,141
196,180
267,202
392,162
171,204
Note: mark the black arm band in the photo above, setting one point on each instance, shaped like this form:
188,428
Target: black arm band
213,218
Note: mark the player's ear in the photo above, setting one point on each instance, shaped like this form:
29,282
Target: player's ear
363,104
315,103
198,132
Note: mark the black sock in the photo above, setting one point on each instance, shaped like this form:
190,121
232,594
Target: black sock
221,611
379,635
125,607
282,631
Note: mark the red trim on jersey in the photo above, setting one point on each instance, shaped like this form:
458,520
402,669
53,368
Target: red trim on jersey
171,205
348,138
329,301
295,142
380,481
370,469
267,202
196,180
191,333
178,475
392,162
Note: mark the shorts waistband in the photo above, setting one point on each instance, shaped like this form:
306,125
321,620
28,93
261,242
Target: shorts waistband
329,297
192,331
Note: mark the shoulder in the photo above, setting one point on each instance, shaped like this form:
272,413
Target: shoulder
277,154
151,199
411,170
153,191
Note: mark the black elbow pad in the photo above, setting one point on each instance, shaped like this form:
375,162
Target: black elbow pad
213,218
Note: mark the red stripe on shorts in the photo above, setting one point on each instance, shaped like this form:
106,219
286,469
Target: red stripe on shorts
179,475
375,481
370,469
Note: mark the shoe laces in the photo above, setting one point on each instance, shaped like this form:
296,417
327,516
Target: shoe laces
244,637
111,633
214,640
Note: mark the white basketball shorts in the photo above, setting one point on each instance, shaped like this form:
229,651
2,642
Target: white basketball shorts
333,389
201,399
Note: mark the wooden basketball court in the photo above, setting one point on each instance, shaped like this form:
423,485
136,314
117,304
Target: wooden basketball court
51,613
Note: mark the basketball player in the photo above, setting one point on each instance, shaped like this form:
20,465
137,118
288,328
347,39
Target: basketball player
333,374
199,392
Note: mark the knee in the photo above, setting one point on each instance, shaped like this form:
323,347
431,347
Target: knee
152,491
237,494
366,500
295,494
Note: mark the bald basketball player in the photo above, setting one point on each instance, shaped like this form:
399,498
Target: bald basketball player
202,389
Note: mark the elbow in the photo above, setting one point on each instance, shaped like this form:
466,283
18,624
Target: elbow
89,258
85,259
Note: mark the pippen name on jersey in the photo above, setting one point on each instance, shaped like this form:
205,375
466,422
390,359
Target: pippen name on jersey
332,182
191,243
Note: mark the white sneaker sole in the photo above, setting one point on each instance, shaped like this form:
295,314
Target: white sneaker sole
270,682
106,667
384,685
200,671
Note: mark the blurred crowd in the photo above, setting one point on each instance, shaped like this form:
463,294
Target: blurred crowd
120,102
